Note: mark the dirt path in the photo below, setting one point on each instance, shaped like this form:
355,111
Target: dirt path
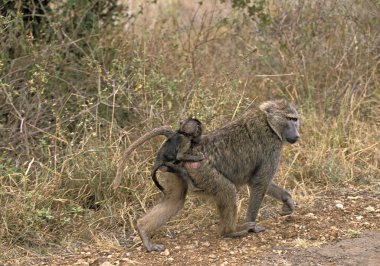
332,229
364,250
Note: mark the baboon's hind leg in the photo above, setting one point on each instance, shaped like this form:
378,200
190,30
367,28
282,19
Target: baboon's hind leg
172,202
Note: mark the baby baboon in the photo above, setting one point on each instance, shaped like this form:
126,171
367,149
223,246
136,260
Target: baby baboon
243,152
178,148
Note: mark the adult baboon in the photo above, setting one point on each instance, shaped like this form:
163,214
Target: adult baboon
243,152
178,148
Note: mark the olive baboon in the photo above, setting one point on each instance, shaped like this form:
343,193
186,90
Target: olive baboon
177,149
243,152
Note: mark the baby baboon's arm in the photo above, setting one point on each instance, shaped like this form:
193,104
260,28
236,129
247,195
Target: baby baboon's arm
185,153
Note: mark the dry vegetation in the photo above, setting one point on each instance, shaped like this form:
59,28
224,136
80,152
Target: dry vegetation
72,100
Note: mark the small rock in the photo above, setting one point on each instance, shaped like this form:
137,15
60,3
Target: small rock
136,239
370,209
106,263
354,197
166,252
212,256
339,206
367,224
81,262
311,215
189,247
277,251
206,244
129,261
359,217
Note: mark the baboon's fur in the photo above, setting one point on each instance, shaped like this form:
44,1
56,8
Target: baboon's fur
178,148
243,152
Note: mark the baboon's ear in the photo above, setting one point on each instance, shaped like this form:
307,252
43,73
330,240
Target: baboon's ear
268,107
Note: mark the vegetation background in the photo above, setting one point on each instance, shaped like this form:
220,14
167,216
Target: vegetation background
81,80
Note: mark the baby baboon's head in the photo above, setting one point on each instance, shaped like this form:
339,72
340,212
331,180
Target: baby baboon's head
192,128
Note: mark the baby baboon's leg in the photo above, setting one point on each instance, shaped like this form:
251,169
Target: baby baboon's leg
173,201
282,195
181,171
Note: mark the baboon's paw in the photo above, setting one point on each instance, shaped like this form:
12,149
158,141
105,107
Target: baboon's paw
256,229
156,247
288,207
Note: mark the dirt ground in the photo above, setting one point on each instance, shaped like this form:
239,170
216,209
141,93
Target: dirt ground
336,228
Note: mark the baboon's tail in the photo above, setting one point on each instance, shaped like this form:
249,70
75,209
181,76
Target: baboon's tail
164,130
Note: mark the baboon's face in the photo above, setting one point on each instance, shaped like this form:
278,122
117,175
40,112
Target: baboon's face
290,131
197,139
283,119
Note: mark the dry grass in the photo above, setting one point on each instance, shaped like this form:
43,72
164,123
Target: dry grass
59,157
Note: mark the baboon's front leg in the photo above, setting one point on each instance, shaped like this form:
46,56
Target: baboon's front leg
282,195
258,188
173,201
222,190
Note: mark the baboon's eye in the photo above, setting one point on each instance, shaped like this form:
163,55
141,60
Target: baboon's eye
295,119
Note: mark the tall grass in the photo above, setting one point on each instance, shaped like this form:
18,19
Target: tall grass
65,120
